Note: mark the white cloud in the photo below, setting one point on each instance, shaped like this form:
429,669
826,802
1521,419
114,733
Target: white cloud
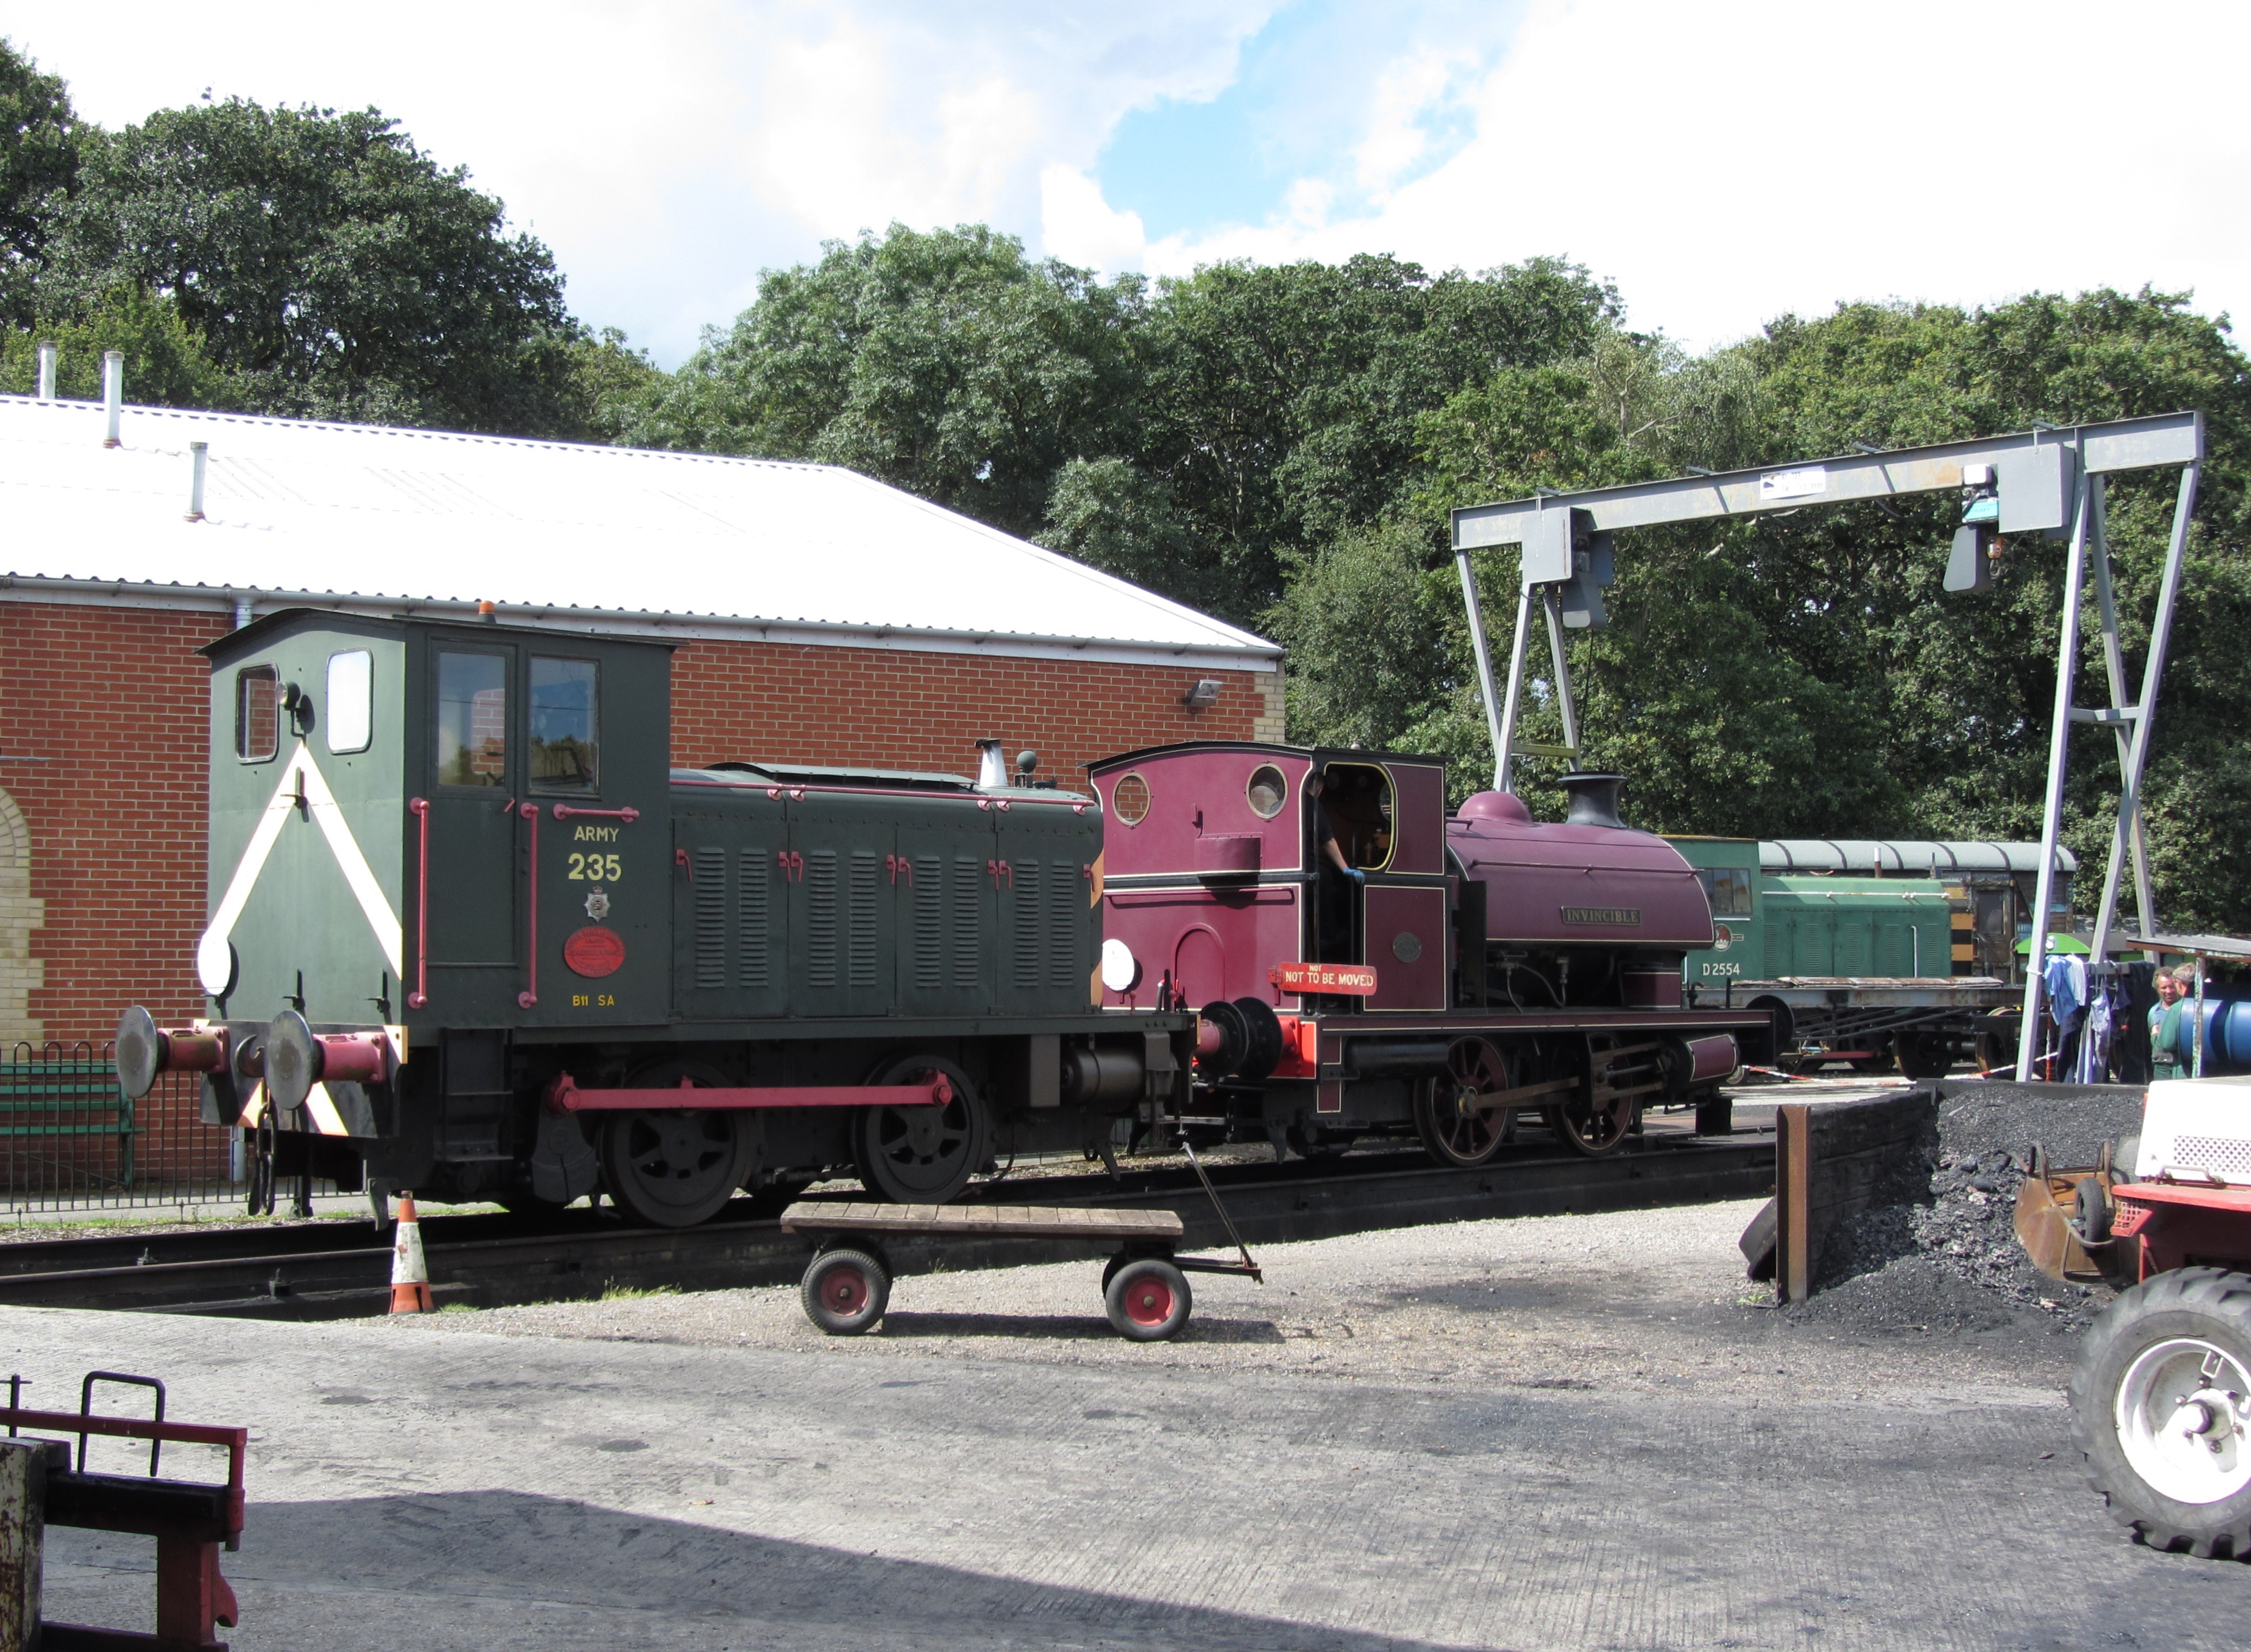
1722,161
1726,163
1079,227
667,149
1396,138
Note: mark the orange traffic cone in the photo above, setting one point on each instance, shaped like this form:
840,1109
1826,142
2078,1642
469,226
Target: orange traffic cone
410,1274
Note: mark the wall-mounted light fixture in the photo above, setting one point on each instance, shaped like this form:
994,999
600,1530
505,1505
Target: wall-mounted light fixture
1206,693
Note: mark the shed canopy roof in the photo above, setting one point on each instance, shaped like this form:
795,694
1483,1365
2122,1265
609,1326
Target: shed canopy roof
554,533
1910,857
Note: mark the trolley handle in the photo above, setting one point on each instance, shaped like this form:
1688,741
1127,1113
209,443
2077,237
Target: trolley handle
86,1409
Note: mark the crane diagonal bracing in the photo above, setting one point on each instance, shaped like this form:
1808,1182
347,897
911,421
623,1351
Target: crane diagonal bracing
2048,480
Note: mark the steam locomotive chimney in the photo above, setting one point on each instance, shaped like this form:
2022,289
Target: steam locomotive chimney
48,354
1593,799
992,767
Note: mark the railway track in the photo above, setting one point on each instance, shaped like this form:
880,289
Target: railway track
341,1270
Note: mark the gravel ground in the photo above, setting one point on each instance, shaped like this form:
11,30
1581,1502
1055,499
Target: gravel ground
1634,1302
1946,1256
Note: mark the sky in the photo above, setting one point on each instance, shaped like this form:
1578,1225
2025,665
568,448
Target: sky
1723,162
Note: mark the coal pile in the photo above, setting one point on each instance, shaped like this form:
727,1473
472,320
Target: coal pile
1942,1255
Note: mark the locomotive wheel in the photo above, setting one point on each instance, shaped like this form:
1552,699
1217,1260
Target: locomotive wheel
1148,1300
845,1292
1594,1127
1446,1116
1924,1054
2161,1406
675,1169
922,1155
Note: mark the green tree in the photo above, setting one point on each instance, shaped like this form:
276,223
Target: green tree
165,362
39,160
332,269
946,363
1110,513
1283,400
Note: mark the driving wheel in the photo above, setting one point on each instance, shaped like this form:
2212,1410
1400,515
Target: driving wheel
675,1169
1594,1122
1453,1129
922,1155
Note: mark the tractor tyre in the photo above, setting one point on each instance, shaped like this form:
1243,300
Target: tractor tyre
2161,1407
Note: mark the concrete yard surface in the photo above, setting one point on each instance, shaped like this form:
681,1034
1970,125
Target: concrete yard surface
1563,1433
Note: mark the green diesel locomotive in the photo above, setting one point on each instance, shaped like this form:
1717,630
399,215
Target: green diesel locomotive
471,930
1876,952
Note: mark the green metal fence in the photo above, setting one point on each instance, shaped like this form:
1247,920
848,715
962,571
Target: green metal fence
71,1139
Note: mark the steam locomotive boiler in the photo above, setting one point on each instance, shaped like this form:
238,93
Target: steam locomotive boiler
1366,966
469,931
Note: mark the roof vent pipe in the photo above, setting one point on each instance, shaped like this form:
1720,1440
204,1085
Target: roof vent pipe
112,392
198,453
992,767
48,352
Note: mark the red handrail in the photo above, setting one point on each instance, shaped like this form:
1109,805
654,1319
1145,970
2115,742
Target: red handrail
187,1433
419,807
529,996
628,814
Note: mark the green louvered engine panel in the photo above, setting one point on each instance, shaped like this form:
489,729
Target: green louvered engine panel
843,902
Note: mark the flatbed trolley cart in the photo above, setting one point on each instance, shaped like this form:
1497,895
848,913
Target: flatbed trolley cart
1145,1288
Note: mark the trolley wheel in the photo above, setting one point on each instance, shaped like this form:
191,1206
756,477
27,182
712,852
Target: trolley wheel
2161,1406
845,1292
1147,1299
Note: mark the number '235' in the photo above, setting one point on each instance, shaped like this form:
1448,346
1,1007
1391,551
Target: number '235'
596,868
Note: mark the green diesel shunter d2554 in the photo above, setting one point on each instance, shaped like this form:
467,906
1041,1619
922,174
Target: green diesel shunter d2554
469,928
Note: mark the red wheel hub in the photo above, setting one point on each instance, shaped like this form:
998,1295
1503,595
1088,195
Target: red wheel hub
1148,1301
846,1290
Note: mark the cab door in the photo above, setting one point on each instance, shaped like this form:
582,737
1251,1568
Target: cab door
473,785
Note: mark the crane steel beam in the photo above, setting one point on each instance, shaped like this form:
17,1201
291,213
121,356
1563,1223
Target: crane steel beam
2162,441
2126,444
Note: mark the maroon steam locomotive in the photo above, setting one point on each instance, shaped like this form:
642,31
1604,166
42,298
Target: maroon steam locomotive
1364,965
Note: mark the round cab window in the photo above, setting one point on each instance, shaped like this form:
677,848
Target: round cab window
1267,791
1129,800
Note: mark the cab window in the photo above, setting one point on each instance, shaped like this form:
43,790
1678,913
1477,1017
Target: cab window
565,713
256,713
350,701
1356,800
1728,889
472,720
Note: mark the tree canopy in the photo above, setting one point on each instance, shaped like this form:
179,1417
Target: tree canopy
317,263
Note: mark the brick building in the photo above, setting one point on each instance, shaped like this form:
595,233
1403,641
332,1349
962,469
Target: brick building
822,617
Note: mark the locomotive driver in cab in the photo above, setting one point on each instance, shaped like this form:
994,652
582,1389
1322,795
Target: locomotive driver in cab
1334,911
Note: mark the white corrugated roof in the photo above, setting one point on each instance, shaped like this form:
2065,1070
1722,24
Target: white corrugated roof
681,544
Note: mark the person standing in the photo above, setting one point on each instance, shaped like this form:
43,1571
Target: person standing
2171,1036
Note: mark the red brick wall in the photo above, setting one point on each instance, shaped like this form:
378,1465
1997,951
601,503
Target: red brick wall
879,708
115,699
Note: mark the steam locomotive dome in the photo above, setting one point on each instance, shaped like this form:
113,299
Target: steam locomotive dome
1587,881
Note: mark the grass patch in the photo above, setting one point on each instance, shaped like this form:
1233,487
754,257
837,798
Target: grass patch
457,1308
614,1292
